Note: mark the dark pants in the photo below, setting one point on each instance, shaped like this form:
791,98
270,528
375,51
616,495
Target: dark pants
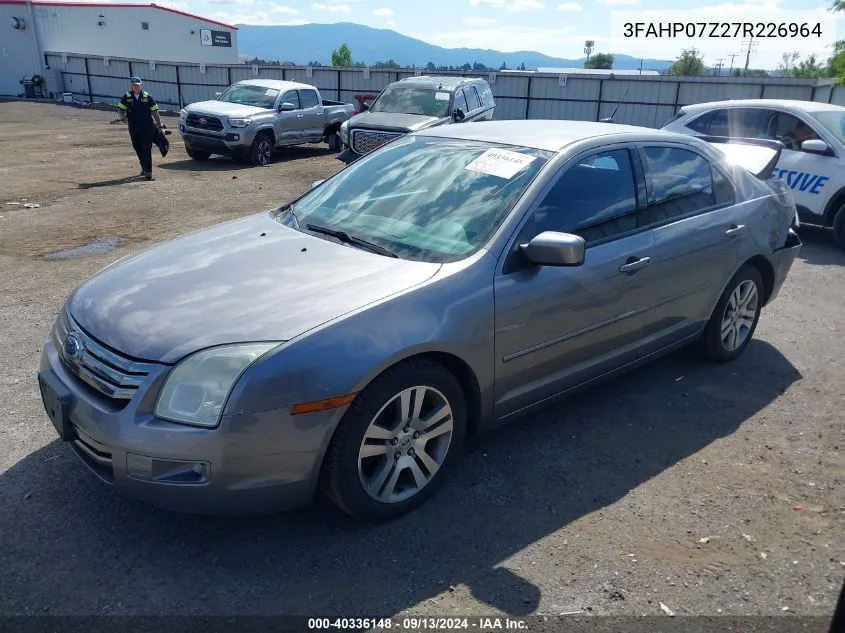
142,142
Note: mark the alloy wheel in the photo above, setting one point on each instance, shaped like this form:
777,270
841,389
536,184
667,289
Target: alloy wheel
739,315
405,444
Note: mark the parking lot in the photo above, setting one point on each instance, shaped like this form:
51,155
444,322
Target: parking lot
709,489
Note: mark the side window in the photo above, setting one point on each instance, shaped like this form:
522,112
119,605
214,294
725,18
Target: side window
474,99
596,198
791,131
461,101
713,123
291,96
722,188
309,98
682,183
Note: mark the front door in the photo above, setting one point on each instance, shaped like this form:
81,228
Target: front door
289,126
558,327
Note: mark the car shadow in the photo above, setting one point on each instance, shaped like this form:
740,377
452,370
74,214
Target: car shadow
71,544
225,163
819,248
111,183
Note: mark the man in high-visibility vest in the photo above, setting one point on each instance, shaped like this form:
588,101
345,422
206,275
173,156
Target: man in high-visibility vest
139,109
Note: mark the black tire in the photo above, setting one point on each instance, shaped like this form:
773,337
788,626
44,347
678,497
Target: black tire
196,154
333,140
261,152
839,228
710,345
340,479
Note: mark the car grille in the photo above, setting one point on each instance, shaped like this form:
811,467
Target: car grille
204,122
106,371
365,141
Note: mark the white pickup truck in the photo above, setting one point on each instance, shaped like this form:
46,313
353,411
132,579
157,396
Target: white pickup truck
252,118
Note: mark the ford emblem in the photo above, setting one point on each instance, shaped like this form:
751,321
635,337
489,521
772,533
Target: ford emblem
203,120
73,347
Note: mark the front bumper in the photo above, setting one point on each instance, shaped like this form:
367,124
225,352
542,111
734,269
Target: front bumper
782,260
255,463
230,143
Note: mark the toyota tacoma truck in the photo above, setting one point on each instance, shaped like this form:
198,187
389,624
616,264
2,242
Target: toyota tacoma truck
413,104
252,118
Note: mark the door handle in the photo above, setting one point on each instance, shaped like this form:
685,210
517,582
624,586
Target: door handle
635,265
735,230
299,116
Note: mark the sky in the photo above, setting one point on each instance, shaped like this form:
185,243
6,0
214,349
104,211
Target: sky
554,27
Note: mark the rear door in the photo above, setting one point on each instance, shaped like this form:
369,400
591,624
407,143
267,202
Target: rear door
313,119
558,327
696,239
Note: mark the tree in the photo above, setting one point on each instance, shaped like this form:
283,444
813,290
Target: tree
690,63
788,62
809,68
479,66
836,63
504,66
342,57
751,72
430,66
522,66
603,61
466,66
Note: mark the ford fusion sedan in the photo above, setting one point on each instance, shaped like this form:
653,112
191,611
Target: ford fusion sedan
352,340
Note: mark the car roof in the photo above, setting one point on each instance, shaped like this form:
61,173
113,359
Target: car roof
551,136
276,84
437,82
794,104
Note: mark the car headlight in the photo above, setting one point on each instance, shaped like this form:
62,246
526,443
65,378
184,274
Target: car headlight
344,132
183,113
197,388
240,122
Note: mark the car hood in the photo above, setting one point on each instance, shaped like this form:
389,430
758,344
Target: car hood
223,108
251,279
393,121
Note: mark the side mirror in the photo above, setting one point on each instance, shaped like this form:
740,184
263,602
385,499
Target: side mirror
459,115
317,183
286,107
217,95
551,248
815,146
366,105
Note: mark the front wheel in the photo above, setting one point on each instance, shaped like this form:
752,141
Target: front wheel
261,151
734,320
395,445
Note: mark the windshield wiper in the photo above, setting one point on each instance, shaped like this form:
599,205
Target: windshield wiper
343,236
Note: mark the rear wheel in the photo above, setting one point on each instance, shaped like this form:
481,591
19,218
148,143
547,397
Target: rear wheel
839,228
395,445
734,320
333,140
261,151
196,154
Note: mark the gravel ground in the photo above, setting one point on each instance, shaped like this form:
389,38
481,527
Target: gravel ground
710,489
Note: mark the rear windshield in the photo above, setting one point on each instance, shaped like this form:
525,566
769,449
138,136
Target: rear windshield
247,94
406,100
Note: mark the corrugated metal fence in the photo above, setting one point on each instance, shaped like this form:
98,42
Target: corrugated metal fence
646,100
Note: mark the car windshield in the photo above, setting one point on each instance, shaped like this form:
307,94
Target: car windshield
833,121
422,198
247,94
406,100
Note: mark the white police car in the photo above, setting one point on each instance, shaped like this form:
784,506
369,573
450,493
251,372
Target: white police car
812,162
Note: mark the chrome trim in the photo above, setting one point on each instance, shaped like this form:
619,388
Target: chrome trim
106,371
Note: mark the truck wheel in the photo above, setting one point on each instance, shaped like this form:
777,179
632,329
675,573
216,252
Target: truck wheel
262,149
839,228
334,142
197,155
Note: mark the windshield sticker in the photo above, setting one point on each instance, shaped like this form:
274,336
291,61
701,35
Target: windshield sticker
502,163
271,92
441,96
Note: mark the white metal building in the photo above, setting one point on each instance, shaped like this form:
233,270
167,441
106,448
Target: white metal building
29,30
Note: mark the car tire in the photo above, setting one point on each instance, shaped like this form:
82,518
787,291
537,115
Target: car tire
368,487
334,142
734,320
839,228
261,151
197,155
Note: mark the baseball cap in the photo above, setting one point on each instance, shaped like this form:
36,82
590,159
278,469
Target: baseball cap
135,80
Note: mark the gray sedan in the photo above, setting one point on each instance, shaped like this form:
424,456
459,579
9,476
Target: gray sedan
353,340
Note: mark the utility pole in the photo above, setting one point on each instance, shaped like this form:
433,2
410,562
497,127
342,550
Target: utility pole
719,64
641,65
751,44
732,55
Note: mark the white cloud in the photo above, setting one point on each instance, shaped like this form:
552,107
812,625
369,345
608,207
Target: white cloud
239,2
383,12
390,24
480,21
512,6
277,8
619,3
332,7
569,6
552,41
259,17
